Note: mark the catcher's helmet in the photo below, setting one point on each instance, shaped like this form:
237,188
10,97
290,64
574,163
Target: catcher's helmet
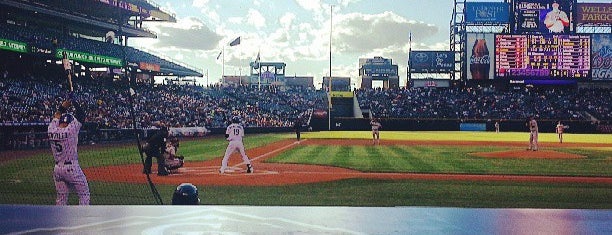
185,194
66,118
235,119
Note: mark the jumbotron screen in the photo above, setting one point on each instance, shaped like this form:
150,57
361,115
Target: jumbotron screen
542,56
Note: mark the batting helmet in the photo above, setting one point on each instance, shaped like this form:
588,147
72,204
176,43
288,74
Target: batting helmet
235,119
185,194
66,118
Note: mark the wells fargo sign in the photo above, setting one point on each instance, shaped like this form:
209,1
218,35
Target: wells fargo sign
594,13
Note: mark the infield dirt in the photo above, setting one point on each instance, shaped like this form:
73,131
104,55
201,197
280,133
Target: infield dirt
270,174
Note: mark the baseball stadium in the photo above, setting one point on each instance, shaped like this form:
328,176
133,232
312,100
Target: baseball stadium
508,131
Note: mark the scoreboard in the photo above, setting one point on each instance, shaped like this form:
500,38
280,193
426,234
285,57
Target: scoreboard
542,56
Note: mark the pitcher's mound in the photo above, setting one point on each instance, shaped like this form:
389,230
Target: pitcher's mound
548,154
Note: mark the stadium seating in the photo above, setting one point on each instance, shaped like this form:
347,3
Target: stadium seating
108,104
487,103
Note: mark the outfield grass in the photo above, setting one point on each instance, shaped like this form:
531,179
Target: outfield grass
446,159
460,136
28,180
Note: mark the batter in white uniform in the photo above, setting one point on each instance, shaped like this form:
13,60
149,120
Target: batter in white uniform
234,134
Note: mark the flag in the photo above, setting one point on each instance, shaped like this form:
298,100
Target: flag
221,52
257,58
236,42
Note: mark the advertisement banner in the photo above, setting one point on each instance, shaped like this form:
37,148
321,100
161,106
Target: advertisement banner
480,51
594,13
90,58
430,83
342,94
601,68
543,16
188,131
432,61
487,12
149,66
11,45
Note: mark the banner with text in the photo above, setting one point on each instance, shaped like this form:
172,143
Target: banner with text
594,13
90,58
487,12
480,51
149,66
431,61
601,68
11,45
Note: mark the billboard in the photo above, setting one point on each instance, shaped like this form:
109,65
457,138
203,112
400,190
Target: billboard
594,13
377,67
543,16
487,12
601,68
11,45
431,61
430,83
480,51
542,56
90,58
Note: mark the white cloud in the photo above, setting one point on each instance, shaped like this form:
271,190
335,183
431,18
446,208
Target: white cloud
310,5
235,20
256,19
356,32
286,21
200,3
188,33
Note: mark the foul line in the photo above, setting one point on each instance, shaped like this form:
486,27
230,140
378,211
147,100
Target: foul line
272,152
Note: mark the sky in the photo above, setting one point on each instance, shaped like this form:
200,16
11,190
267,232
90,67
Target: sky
296,32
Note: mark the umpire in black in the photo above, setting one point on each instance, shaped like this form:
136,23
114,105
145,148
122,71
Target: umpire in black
297,125
154,148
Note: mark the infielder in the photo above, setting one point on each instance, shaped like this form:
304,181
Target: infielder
559,129
375,130
234,134
533,134
63,132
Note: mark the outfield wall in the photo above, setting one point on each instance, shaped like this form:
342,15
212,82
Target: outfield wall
396,124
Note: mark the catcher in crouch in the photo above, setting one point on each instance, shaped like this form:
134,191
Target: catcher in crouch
172,161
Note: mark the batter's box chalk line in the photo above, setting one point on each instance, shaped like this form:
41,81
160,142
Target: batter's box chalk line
231,170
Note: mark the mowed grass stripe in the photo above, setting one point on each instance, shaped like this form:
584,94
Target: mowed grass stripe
377,160
414,158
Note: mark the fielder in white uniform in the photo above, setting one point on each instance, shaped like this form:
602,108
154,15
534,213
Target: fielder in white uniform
375,130
533,134
234,134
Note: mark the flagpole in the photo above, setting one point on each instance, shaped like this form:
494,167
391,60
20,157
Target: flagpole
409,75
258,59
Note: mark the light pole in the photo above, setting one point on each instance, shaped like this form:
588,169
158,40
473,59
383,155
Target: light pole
329,81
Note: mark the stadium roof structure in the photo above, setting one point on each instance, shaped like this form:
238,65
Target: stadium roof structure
73,21
94,17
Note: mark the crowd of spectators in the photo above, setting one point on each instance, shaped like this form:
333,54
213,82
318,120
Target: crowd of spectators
108,103
486,103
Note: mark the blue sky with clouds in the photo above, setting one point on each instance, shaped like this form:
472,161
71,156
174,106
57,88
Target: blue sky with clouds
297,32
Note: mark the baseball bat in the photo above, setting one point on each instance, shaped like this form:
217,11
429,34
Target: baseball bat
68,69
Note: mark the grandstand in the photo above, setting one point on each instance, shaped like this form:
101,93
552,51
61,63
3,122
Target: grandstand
35,33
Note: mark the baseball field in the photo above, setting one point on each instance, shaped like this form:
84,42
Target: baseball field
442,169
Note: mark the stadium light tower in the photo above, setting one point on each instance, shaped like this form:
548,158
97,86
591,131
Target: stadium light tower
329,81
